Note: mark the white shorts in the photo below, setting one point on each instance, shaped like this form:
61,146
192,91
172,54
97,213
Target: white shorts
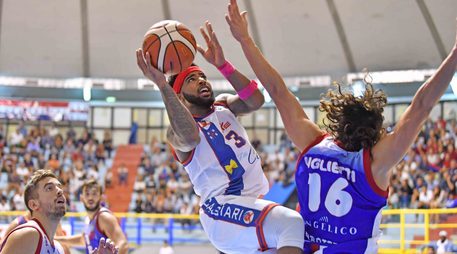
245,225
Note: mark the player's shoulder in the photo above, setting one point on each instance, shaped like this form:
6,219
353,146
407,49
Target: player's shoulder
25,234
106,215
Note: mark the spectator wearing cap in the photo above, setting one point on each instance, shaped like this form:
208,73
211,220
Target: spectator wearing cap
443,245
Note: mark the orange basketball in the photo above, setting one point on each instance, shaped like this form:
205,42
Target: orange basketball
171,45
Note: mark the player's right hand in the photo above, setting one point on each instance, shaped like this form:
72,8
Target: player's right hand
106,247
144,62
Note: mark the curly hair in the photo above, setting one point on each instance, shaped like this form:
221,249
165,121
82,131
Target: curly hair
356,122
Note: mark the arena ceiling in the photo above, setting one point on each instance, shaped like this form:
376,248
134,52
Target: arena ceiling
98,38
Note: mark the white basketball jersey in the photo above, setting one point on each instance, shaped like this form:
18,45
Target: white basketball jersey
224,163
44,244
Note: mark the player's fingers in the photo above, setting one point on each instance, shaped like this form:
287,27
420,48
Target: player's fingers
229,21
216,41
140,59
116,250
205,36
101,243
235,6
201,50
244,15
148,61
209,27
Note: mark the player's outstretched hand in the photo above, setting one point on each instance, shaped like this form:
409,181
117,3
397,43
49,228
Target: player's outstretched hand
237,21
214,53
106,247
145,65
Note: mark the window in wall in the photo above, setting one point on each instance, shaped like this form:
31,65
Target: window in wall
157,133
436,112
399,109
262,117
102,117
120,137
140,116
247,120
166,120
122,117
320,118
155,117
260,134
388,115
98,134
279,123
450,110
141,136
310,113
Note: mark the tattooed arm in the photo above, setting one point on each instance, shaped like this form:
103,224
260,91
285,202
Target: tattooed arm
183,133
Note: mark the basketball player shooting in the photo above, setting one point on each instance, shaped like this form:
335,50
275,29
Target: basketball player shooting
44,199
343,174
224,168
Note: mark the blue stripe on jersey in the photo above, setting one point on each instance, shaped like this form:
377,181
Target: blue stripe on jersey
227,159
240,215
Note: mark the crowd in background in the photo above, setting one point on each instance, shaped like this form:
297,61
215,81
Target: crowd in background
425,178
74,159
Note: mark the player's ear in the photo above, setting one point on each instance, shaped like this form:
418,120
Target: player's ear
34,204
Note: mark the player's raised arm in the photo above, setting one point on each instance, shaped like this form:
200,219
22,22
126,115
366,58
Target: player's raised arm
390,149
110,225
300,129
249,98
183,132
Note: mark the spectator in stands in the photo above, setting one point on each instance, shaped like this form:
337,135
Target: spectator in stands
100,153
186,210
140,185
166,249
108,178
108,142
33,147
53,162
53,131
16,137
443,245
138,204
22,128
123,173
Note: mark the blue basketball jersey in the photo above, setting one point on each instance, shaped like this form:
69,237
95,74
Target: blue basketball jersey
92,233
339,200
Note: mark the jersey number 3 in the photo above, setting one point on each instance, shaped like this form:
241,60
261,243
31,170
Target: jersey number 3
239,141
337,202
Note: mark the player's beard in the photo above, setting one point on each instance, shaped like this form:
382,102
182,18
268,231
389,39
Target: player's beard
95,208
57,213
198,101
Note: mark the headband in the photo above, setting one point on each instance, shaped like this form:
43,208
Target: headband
179,81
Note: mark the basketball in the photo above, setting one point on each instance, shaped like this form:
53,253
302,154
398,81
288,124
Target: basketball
171,46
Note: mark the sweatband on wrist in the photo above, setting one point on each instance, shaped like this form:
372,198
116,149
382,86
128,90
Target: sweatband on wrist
226,69
247,92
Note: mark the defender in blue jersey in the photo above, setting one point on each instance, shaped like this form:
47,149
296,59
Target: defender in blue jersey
100,222
224,168
343,174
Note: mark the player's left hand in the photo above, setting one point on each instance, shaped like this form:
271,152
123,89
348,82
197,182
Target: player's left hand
106,247
238,22
213,54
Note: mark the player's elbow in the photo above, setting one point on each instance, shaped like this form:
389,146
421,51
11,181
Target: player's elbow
256,102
